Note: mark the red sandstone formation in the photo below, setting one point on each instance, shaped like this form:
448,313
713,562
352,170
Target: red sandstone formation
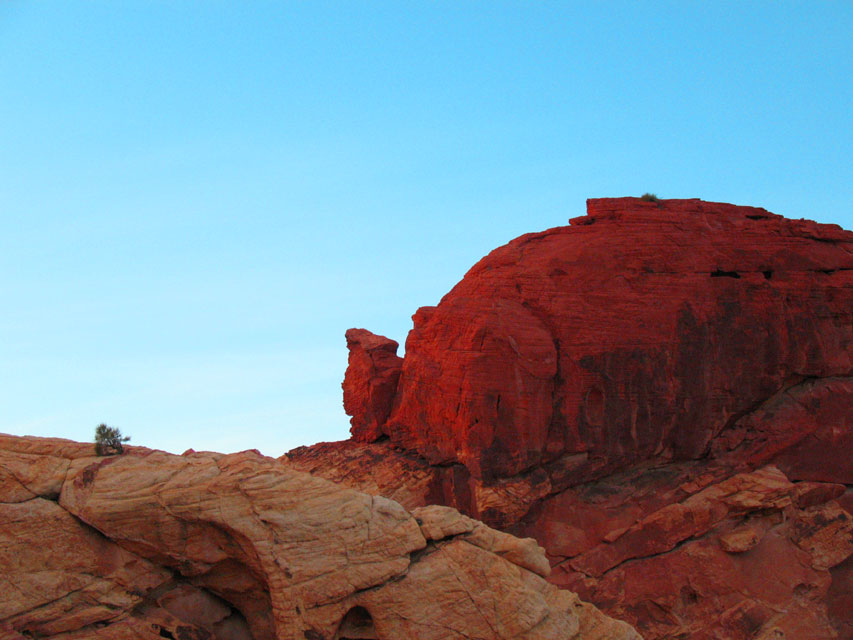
661,394
370,383
205,546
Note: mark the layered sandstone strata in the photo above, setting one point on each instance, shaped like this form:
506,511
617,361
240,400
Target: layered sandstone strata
612,386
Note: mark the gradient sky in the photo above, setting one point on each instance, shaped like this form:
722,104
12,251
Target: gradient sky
197,199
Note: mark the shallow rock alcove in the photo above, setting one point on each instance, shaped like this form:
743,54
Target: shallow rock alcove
357,625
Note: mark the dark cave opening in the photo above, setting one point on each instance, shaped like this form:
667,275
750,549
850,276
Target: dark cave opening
720,273
357,625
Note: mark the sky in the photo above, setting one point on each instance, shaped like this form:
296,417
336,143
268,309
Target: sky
197,199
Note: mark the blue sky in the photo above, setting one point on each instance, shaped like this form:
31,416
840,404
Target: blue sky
198,199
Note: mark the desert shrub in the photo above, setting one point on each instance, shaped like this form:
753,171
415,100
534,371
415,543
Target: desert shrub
108,440
649,197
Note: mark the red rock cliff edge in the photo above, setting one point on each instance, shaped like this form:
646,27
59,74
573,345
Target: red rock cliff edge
660,393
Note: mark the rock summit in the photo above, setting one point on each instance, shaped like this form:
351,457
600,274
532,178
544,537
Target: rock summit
660,393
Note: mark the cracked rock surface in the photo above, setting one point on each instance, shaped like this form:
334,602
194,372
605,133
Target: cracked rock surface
205,546
661,394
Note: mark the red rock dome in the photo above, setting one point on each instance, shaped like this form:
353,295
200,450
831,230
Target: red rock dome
644,329
661,394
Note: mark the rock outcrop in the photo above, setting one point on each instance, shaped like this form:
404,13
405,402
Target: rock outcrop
206,546
373,372
661,394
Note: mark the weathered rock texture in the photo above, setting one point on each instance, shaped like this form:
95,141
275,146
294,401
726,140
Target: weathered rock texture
205,546
371,381
661,394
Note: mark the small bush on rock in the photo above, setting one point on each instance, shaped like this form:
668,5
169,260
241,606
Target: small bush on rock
108,440
649,197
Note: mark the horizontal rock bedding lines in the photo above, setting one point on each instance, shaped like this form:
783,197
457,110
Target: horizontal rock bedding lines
546,334
585,386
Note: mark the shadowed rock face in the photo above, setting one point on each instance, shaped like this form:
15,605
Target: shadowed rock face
585,383
206,546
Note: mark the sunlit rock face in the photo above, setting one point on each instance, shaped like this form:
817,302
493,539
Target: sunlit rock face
373,372
206,546
600,386
644,329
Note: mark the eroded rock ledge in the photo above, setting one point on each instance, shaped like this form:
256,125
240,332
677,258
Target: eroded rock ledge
660,393
207,546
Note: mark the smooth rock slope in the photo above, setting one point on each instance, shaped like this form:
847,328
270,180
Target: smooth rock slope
661,394
206,546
